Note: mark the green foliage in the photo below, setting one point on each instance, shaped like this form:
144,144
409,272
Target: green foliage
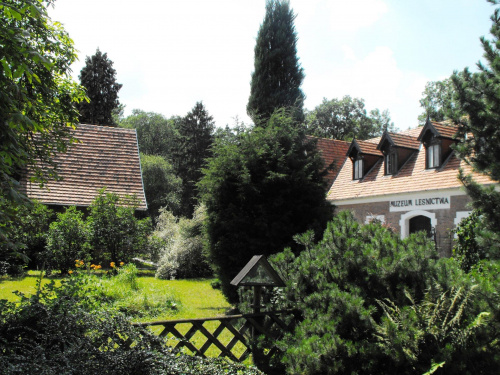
336,285
196,135
99,79
67,240
37,97
372,303
444,328
347,119
478,96
277,74
439,102
161,186
114,232
156,134
467,250
262,186
57,332
184,242
28,237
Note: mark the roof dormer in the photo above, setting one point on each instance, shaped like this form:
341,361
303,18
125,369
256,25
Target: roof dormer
363,155
396,148
437,139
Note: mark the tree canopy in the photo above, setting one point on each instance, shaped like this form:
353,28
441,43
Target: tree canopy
37,96
439,102
277,75
99,79
346,119
155,133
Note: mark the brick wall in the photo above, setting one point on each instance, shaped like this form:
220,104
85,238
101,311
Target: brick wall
445,218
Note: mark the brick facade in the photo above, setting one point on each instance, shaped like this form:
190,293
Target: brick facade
445,218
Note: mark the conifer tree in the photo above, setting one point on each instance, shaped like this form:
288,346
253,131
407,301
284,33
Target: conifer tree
99,79
196,135
278,75
261,187
479,97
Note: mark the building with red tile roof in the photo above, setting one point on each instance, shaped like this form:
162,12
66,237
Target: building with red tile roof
411,185
333,153
103,157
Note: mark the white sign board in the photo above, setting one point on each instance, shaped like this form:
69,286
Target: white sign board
440,202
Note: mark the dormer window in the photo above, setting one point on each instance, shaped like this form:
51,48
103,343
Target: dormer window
391,164
433,156
358,169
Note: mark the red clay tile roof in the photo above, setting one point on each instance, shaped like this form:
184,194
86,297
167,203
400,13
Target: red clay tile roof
402,140
413,177
445,130
440,129
369,146
104,157
332,151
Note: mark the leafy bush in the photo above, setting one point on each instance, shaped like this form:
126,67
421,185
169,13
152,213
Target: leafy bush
474,241
57,331
114,232
183,254
360,279
28,237
67,240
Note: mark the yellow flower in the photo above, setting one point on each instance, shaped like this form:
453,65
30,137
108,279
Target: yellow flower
121,263
70,272
112,264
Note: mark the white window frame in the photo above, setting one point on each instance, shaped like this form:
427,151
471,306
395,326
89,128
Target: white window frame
433,156
390,167
404,223
358,169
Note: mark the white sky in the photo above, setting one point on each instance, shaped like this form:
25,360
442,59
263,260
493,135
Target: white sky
169,54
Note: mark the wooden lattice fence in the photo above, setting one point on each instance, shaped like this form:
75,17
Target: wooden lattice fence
243,329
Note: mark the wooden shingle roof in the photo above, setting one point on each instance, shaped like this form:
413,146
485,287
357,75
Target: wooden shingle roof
104,157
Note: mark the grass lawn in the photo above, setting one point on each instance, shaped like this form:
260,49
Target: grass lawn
194,298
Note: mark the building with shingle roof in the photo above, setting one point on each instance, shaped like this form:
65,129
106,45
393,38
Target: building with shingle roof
411,184
103,157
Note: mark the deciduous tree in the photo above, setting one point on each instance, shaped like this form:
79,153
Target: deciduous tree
277,75
161,186
37,96
99,79
155,133
346,119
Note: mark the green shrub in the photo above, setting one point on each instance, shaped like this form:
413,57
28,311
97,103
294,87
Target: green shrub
262,186
183,253
115,234
28,237
372,303
67,240
474,241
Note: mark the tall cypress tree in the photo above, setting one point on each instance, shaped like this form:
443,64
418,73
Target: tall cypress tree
99,79
196,135
278,75
479,97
